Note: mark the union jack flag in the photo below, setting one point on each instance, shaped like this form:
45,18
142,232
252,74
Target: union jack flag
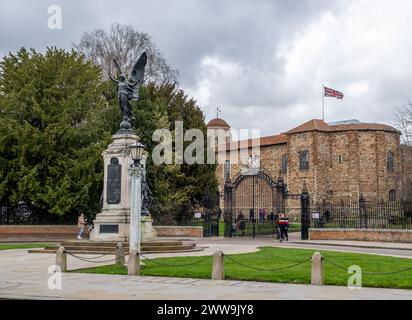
332,93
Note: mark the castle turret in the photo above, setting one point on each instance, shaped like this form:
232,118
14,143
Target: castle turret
218,131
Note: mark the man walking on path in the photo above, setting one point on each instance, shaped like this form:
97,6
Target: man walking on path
283,225
81,223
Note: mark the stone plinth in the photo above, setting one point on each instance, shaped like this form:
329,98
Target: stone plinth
149,233
112,224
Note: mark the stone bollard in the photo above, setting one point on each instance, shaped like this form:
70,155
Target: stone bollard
133,264
218,271
61,259
120,259
317,269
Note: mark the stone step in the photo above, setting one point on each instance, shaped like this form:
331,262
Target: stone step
113,244
112,249
78,252
109,247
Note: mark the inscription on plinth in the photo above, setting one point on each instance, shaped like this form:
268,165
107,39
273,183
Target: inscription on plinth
114,180
109,228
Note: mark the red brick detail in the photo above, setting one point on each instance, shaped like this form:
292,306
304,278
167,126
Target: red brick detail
32,232
177,231
380,235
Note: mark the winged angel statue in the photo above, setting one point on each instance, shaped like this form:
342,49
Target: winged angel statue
128,89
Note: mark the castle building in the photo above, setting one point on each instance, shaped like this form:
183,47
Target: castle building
337,161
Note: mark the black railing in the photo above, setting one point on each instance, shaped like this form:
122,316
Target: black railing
362,214
206,214
252,227
24,214
257,227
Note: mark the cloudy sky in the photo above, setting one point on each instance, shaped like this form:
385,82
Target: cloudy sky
263,62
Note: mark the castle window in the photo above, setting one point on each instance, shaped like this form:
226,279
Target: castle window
285,163
227,169
392,195
389,162
303,160
339,159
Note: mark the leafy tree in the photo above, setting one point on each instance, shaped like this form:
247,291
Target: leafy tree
51,133
57,115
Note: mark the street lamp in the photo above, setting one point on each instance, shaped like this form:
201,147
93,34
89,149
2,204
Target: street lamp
136,152
135,171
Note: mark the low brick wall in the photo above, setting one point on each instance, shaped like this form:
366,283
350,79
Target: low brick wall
179,231
32,233
383,235
22,233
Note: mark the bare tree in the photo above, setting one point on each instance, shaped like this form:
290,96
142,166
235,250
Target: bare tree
125,44
403,121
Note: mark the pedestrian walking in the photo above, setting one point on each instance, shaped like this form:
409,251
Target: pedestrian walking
81,224
241,224
284,226
251,215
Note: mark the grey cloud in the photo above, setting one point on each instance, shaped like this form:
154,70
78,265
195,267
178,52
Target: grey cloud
246,33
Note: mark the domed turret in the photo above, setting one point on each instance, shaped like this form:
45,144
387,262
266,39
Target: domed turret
218,123
218,131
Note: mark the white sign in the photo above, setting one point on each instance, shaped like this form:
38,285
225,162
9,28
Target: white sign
198,215
315,215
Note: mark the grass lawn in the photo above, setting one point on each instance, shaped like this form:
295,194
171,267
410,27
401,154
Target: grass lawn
9,246
221,228
278,258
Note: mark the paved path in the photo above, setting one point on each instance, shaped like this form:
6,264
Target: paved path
92,286
25,275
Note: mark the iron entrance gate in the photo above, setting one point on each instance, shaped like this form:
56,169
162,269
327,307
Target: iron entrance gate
212,214
252,204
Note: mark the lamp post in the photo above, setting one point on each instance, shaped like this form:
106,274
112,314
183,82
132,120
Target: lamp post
135,171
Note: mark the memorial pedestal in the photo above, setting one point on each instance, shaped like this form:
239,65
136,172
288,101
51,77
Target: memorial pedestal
112,224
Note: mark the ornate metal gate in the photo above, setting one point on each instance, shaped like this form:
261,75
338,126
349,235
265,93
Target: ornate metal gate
252,204
212,214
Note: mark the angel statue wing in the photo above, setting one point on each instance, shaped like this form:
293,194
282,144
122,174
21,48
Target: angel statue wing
137,74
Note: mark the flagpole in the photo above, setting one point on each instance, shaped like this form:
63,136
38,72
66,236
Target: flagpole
323,101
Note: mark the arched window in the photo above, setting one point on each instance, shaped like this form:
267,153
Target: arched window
392,195
389,162
303,160
285,163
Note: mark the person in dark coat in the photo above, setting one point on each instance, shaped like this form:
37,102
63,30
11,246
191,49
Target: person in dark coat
283,225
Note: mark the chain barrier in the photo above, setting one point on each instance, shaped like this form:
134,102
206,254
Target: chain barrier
267,269
366,273
176,265
91,258
85,259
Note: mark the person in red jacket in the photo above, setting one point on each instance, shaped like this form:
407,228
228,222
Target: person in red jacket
283,226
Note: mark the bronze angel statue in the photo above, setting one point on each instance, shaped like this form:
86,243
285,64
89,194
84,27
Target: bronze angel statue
128,89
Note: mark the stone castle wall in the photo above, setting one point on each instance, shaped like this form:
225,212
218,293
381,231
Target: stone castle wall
342,165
